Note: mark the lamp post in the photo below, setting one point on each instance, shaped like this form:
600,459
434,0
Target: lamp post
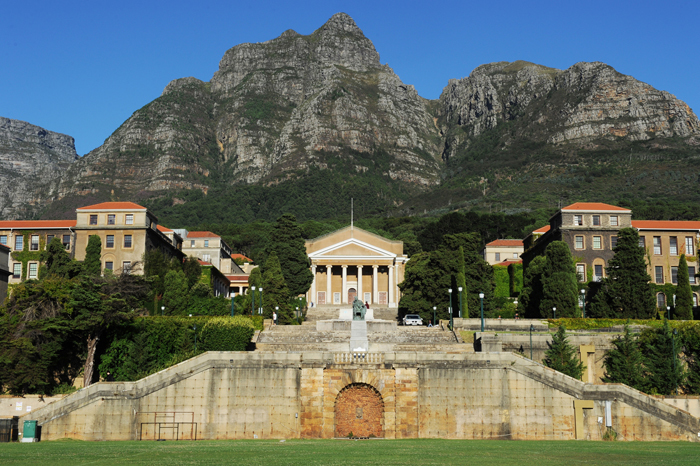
261,301
554,310
451,320
252,304
233,301
434,309
459,288
481,297
449,309
583,298
297,314
668,311
673,343
532,327
162,310
195,338
277,313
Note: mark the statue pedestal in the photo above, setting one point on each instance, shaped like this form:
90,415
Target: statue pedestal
346,314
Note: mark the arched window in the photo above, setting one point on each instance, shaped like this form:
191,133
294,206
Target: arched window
661,301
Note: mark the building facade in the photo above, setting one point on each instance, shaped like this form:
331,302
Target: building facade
353,262
127,231
501,250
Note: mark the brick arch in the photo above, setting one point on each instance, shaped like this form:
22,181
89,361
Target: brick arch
359,408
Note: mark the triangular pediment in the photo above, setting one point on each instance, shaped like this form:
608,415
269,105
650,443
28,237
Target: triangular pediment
353,242
352,248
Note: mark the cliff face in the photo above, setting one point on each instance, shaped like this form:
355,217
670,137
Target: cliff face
31,162
584,103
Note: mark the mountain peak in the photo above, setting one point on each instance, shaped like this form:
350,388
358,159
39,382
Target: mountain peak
341,22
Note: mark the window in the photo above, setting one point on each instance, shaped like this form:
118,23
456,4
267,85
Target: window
578,220
695,300
206,257
93,219
126,267
691,275
16,270
598,271
19,243
110,219
579,242
34,245
657,245
661,301
33,267
689,246
66,242
597,242
110,241
3,239
674,275
515,255
498,257
129,219
206,243
659,274
109,265
642,242
596,220
581,272
49,238
192,243
127,241
613,220
673,246
613,242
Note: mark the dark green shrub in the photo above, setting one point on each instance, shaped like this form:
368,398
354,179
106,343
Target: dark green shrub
227,333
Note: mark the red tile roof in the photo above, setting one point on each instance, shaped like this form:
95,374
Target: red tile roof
544,229
201,262
594,206
237,278
665,225
241,256
201,234
5,224
506,263
113,206
164,229
506,242
2,246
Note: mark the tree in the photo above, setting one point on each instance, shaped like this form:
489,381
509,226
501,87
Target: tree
193,271
559,285
155,268
626,291
92,265
683,307
664,369
276,292
478,273
531,294
57,262
288,244
625,362
176,291
561,356
691,343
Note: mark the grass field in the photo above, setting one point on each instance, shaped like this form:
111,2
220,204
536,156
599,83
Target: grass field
363,452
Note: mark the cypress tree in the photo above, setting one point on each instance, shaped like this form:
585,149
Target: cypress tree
691,343
665,371
561,356
683,309
175,294
531,294
625,362
193,271
462,281
276,292
92,265
57,262
287,242
559,284
626,292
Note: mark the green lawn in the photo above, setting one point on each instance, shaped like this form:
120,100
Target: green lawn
362,452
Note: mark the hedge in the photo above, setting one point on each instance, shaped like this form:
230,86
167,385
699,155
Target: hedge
227,333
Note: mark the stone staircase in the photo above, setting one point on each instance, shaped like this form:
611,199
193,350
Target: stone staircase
331,312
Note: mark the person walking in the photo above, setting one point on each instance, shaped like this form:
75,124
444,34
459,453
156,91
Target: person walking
274,317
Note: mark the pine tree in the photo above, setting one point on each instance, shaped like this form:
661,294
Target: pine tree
531,294
561,356
559,284
683,308
176,293
57,262
662,349
287,242
625,362
276,293
691,344
461,282
626,292
92,265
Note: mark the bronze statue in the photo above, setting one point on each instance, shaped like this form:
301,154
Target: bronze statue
358,310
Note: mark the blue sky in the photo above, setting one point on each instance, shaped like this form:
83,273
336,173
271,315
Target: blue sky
82,68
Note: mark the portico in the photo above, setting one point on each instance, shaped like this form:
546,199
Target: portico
353,262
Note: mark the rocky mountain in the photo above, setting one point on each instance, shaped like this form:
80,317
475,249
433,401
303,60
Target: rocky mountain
31,162
304,123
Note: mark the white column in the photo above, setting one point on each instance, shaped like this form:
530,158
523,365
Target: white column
343,291
329,293
391,286
375,287
360,296
314,295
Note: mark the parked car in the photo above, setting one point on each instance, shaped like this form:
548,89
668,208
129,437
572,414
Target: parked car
412,319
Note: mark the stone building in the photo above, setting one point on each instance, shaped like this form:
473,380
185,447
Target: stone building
501,250
26,239
127,230
353,262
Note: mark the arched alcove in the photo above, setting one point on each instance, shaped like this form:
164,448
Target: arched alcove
359,409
